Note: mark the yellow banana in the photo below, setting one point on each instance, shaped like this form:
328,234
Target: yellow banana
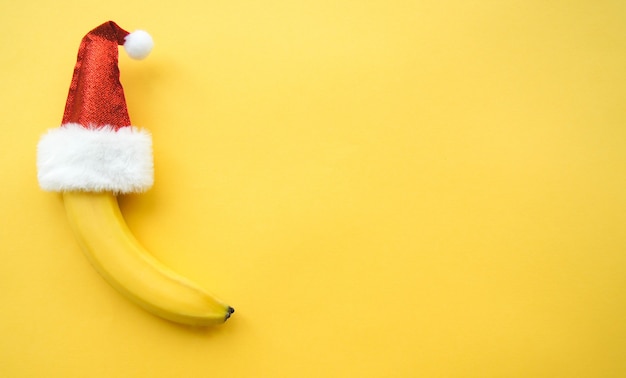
95,153
98,224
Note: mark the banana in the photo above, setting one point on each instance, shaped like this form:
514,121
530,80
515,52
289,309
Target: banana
116,254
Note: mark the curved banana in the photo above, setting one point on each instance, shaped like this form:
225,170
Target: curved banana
96,220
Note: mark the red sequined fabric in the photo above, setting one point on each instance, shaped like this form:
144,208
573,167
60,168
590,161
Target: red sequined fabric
96,97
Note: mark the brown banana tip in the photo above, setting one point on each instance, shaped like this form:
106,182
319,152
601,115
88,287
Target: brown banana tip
229,312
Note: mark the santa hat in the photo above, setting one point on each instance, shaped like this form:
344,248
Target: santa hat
96,148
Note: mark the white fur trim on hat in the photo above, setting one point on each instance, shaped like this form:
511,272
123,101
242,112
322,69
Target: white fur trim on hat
75,158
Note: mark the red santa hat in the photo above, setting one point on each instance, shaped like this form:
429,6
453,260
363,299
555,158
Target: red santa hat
96,148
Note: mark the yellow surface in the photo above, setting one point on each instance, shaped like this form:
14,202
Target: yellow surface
380,188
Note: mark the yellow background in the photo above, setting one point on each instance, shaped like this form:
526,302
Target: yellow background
380,188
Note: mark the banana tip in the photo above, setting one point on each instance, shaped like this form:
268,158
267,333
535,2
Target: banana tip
229,312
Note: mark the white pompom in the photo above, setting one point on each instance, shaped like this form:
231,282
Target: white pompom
138,44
